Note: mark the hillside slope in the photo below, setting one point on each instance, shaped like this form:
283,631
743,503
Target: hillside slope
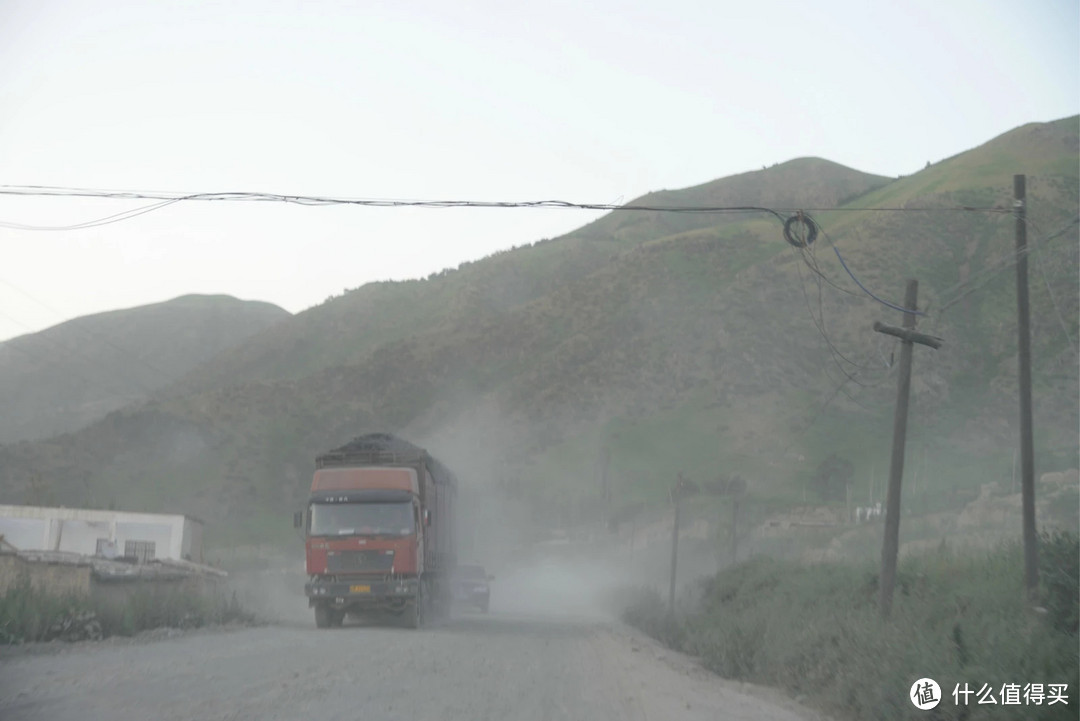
711,348
349,328
61,378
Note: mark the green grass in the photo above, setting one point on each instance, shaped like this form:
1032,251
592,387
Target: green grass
29,615
815,631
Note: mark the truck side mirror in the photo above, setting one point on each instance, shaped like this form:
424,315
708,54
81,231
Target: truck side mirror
298,519
427,517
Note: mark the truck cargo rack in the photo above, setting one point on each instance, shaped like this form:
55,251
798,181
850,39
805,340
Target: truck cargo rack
384,449
388,458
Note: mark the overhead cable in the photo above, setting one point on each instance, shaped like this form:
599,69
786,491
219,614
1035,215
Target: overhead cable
867,290
169,197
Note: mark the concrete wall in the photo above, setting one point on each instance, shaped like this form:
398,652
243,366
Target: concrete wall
58,579
115,594
110,596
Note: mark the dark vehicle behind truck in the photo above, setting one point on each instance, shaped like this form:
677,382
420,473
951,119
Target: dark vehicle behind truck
380,532
470,585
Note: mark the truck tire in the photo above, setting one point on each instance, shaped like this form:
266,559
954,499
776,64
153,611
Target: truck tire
414,614
323,617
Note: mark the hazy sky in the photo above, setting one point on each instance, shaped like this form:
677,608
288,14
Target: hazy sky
582,101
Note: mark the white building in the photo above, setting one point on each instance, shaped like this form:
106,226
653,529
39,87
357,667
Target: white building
102,533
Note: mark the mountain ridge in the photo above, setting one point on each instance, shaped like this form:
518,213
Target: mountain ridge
712,349
84,367
500,281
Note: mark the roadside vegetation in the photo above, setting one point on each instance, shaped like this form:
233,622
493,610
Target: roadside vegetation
815,630
30,615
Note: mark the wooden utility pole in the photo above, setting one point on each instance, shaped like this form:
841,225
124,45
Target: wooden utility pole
683,487
891,547
605,486
1027,445
734,530
675,494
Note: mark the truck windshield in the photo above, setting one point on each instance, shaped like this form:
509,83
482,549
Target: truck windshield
362,519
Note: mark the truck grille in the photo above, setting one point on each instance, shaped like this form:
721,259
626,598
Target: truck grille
359,561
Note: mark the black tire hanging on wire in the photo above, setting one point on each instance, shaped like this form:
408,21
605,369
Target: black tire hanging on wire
795,240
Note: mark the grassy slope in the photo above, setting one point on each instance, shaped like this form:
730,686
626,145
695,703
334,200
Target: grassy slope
965,398
347,329
679,348
70,374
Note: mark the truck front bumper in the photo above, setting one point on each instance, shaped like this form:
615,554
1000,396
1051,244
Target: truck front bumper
361,591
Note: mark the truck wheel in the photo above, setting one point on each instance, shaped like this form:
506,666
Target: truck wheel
414,615
322,617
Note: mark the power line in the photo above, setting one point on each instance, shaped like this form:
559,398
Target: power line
819,323
1008,261
1053,300
814,267
867,291
809,256
1005,263
115,218
166,198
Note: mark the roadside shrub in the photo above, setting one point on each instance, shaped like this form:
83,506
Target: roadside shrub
173,608
30,615
816,632
27,614
647,610
1059,579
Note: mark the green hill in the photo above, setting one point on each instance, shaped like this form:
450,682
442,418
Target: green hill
701,343
349,328
66,376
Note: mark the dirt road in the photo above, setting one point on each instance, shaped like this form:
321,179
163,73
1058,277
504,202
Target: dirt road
471,667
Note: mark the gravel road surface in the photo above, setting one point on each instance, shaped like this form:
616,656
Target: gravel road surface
471,667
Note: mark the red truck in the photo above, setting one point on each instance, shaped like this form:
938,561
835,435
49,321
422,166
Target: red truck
379,531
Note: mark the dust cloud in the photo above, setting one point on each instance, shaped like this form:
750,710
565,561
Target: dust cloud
541,567
272,587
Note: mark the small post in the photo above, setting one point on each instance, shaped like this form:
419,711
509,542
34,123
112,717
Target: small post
1027,444
891,547
734,530
605,486
873,471
674,542
847,504
1014,471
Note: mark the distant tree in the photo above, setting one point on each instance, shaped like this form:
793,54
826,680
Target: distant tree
832,477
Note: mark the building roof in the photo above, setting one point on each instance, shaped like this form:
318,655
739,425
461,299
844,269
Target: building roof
105,569
88,514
